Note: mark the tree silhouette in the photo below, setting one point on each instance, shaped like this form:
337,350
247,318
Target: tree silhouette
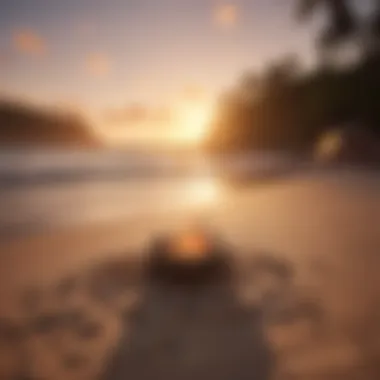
22,123
374,28
342,25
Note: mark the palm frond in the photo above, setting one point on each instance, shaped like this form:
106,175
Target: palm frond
306,8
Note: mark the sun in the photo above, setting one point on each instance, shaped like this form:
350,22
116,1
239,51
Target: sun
193,122
188,125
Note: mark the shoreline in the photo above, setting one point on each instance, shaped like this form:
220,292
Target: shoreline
267,217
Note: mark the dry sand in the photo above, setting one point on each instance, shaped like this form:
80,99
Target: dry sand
326,225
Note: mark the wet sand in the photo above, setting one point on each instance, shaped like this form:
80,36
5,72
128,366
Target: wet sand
326,225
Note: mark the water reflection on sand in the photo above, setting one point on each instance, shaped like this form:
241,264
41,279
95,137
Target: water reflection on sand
48,207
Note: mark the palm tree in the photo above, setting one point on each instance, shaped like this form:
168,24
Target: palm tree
342,24
276,76
375,26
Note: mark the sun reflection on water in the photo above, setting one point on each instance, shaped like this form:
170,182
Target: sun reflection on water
203,192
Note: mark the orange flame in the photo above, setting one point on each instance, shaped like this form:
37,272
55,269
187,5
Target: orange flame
190,246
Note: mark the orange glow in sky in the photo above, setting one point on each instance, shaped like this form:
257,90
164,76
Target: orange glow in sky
118,57
188,124
193,122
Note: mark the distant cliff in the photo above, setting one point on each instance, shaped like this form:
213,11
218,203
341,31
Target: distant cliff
22,124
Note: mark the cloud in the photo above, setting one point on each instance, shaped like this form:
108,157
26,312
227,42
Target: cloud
193,92
29,42
226,15
136,114
98,65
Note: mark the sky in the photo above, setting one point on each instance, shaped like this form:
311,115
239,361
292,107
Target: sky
129,65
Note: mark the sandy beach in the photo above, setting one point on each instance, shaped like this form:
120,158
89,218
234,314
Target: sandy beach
326,225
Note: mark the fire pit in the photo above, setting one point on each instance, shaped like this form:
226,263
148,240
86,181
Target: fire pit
192,257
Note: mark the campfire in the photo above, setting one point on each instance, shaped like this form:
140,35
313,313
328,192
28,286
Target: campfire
189,246
191,256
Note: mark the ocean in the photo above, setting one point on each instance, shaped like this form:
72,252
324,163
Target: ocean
49,189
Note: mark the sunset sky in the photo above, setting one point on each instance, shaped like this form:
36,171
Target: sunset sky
129,64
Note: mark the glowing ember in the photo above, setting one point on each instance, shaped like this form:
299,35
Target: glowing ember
190,246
